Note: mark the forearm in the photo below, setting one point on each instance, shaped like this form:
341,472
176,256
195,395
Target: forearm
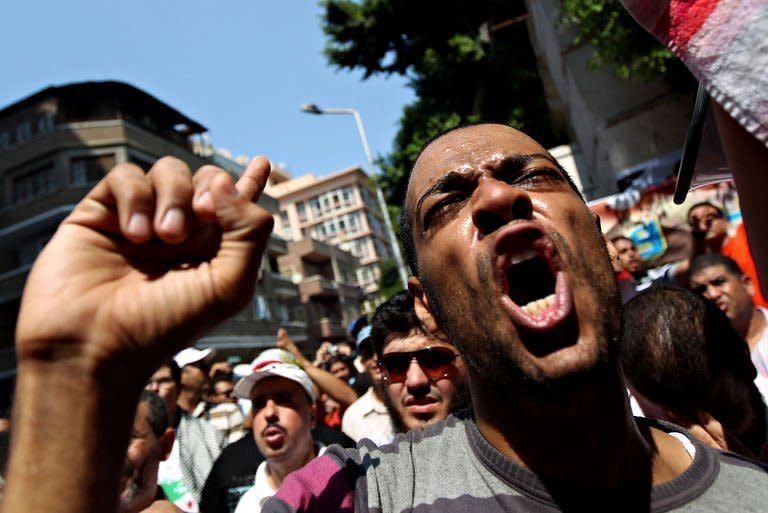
70,435
336,388
748,159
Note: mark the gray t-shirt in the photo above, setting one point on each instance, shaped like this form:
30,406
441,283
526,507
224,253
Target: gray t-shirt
451,467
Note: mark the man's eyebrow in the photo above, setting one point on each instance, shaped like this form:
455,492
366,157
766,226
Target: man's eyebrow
510,163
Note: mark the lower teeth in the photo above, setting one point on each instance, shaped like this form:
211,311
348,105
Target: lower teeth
540,305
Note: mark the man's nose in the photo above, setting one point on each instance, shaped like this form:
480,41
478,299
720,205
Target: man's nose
711,292
496,203
416,378
270,409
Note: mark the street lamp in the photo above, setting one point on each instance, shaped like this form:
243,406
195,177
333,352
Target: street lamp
311,108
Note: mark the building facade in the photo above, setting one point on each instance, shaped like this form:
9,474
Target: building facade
615,124
340,210
57,143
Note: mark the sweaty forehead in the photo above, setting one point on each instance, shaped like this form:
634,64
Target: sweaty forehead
412,342
474,147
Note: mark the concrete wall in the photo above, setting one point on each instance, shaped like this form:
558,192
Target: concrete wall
616,123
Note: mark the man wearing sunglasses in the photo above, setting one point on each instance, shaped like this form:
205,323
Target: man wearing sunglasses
424,376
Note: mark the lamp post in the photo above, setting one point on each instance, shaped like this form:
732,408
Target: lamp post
311,108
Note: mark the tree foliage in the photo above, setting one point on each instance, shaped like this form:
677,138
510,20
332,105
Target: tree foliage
389,281
620,41
465,61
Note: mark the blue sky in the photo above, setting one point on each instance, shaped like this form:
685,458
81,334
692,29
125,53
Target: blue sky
241,68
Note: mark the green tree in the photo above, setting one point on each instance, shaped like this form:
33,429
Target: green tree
389,281
618,40
466,61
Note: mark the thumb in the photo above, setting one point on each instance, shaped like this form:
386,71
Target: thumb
245,229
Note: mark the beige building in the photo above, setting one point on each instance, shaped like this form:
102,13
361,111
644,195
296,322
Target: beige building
341,210
57,143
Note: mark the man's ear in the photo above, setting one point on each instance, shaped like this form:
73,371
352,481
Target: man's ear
166,443
421,306
749,285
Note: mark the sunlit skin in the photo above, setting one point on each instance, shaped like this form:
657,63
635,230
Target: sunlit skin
138,483
464,221
708,224
733,295
223,392
340,370
418,400
283,417
628,255
481,200
163,385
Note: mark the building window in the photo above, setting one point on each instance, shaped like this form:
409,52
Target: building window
23,131
89,170
301,210
5,140
40,182
260,308
45,123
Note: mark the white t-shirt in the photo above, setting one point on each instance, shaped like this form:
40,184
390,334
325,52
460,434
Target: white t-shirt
254,498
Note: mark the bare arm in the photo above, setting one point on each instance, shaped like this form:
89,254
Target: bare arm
748,159
339,391
142,266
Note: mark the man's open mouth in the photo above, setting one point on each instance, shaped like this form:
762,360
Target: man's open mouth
537,293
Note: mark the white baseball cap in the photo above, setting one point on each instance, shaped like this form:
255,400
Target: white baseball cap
274,362
191,355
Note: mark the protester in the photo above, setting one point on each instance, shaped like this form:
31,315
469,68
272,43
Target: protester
197,444
720,279
725,45
491,223
509,263
686,364
637,277
283,403
712,234
368,417
222,411
150,443
424,377
195,381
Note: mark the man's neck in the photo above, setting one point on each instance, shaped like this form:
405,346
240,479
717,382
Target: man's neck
587,440
188,402
757,326
278,470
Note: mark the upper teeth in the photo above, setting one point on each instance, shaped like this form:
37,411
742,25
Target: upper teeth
522,257
536,307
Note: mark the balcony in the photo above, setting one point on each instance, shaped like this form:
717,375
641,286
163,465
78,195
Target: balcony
317,286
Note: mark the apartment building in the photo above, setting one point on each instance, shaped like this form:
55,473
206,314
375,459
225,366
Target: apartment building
341,210
58,142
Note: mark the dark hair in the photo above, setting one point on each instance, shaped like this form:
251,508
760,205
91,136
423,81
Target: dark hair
622,237
708,260
346,360
218,378
676,346
705,203
406,224
175,370
395,316
157,415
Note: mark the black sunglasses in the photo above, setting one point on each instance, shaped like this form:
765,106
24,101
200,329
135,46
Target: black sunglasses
436,362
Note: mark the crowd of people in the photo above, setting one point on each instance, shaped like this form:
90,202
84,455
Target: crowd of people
504,378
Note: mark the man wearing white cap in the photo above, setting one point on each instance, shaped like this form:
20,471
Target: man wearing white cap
368,417
283,404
